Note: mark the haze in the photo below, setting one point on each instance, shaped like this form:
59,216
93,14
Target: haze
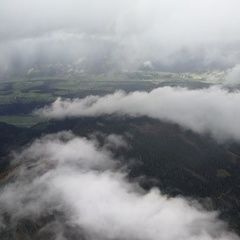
110,35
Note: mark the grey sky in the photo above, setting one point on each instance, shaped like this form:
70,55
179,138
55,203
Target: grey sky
183,34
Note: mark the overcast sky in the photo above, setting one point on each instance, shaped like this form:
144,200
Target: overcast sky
172,34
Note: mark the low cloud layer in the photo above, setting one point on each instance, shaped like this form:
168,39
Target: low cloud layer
107,35
213,110
233,76
78,182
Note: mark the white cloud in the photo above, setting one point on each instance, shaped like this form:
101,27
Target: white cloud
114,141
101,204
214,110
186,34
233,76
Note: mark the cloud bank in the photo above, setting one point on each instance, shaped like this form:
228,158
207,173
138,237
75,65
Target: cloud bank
233,76
107,35
213,110
77,181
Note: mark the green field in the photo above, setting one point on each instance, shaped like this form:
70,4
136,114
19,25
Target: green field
21,120
19,97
